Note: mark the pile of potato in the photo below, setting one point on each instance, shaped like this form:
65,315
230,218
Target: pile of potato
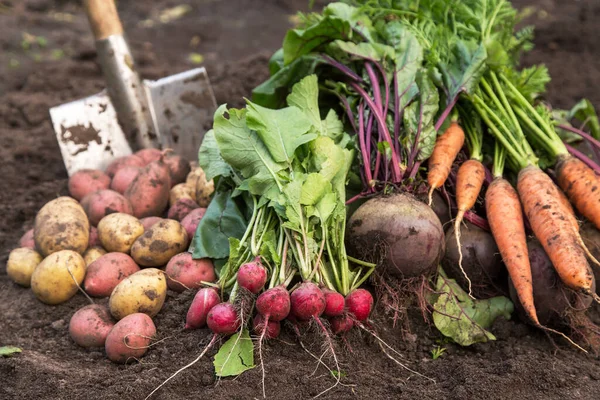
124,235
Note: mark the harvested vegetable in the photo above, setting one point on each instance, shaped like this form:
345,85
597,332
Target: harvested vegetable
58,277
61,225
20,265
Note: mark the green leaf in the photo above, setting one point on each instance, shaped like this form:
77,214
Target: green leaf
305,96
584,111
272,92
7,351
223,219
235,356
326,157
463,72
463,319
333,126
347,51
209,158
313,188
530,81
276,62
281,131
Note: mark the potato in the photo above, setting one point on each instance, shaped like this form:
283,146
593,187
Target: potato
149,155
104,274
61,225
202,188
92,254
183,272
56,279
90,325
141,292
27,240
99,204
121,162
20,265
123,178
94,238
191,221
180,191
149,191
149,221
130,338
159,243
119,231
183,207
179,168
86,181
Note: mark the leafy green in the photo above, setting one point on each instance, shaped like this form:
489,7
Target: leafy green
462,74
235,356
463,319
8,351
209,157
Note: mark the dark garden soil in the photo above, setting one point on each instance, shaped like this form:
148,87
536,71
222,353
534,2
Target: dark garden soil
235,37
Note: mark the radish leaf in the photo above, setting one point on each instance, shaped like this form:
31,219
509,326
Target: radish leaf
235,356
7,351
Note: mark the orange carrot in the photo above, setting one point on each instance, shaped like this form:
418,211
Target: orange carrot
444,153
582,186
505,217
469,181
554,228
568,207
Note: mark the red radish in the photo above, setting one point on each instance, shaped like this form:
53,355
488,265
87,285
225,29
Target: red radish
123,178
252,276
149,155
341,324
27,240
223,319
274,303
273,327
308,301
121,162
334,303
191,221
359,303
203,302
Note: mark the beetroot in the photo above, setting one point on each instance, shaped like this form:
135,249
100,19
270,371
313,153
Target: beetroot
359,303
274,303
402,235
334,303
308,301
223,319
252,276
341,324
273,327
203,302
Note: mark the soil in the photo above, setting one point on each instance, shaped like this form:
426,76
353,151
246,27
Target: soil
235,38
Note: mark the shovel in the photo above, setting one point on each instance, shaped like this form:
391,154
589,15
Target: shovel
130,114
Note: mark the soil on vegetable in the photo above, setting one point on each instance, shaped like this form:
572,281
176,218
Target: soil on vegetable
47,58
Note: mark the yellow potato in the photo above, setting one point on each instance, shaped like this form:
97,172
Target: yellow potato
61,225
20,265
180,191
202,189
159,243
56,279
118,231
141,292
92,254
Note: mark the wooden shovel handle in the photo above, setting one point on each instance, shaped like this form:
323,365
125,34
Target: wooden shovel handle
103,18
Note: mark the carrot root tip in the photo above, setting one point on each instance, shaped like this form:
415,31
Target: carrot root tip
430,196
457,222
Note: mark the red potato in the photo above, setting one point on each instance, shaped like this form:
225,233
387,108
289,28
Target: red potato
181,209
132,160
130,338
149,155
90,325
94,237
149,192
191,221
99,204
149,221
27,240
179,168
183,272
123,178
106,272
203,302
86,181
223,319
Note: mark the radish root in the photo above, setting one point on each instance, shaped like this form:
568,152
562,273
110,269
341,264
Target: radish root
457,222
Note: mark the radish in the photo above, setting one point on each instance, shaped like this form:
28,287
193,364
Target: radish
203,302
334,303
274,303
308,301
341,324
273,328
359,303
252,276
223,319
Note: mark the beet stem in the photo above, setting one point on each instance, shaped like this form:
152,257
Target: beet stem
585,159
445,114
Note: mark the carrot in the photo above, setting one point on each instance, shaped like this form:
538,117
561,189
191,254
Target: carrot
469,181
444,153
553,228
582,186
505,217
